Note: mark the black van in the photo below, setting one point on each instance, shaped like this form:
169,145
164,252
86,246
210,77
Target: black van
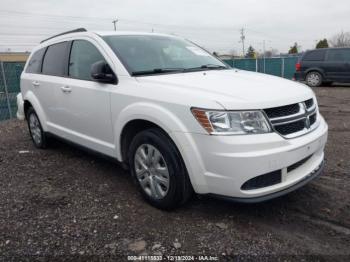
324,66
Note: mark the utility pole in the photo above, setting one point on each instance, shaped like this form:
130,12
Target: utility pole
242,40
115,24
264,56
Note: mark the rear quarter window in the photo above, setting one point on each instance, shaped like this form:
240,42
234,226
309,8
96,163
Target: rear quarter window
317,55
34,64
55,60
339,55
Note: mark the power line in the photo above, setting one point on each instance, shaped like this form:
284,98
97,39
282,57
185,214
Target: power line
54,15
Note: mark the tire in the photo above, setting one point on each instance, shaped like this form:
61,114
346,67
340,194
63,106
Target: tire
158,170
314,79
36,132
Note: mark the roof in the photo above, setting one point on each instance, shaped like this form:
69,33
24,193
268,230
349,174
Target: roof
83,32
101,33
105,33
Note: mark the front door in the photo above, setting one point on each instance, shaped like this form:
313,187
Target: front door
83,105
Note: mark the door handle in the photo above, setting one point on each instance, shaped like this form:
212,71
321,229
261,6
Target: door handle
66,89
36,83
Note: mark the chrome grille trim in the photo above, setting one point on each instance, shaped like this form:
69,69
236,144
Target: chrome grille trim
304,115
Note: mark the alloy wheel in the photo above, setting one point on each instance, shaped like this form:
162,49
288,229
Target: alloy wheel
35,129
152,171
314,79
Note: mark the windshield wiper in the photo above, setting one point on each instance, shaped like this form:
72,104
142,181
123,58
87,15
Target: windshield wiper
207,67
157,71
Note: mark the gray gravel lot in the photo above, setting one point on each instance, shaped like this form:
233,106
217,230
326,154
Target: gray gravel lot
65,204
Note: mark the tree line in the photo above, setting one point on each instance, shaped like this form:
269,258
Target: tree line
340,40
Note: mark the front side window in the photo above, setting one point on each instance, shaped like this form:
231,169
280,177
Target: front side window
55,59
83,55
339,55
34,64
152,53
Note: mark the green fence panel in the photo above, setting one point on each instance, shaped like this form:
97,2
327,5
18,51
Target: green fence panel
289,66
283,67
271,66
12,72
4,112
229,62
245,64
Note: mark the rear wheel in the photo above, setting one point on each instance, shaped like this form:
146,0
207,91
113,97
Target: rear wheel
35,129
314,79
158,169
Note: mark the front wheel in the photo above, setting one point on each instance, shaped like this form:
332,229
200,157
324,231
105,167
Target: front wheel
314,79
158,169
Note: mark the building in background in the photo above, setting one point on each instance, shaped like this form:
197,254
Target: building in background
14,56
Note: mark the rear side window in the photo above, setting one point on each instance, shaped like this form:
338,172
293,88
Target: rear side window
34,64
83,54
55,59
318,55
340,55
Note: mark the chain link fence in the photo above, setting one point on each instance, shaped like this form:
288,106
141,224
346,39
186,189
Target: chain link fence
10,73
281,66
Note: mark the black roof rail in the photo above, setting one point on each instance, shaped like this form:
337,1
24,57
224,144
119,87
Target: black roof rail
64,33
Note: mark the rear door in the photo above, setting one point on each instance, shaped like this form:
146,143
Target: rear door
338,64
83,112
52,74
31,76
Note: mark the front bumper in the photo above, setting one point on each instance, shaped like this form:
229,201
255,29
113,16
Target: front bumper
220,165
317,172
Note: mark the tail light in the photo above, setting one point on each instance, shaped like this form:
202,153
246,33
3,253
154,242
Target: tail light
298,67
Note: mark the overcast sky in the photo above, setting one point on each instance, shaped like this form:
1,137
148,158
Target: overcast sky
214,24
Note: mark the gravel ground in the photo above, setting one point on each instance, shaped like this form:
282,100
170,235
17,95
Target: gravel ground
65,204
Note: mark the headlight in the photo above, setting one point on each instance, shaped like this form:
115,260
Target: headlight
232,122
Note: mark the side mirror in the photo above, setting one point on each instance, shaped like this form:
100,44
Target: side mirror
101,72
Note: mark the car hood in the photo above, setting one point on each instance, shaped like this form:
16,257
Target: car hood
232,89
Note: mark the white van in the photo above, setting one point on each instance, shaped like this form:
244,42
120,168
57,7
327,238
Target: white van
180,119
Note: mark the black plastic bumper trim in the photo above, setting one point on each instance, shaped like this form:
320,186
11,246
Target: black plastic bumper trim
283,192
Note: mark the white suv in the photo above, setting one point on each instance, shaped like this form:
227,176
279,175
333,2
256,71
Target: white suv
180,119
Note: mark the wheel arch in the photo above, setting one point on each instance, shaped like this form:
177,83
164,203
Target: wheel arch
315,69
130,130
157,116
145,115
31,101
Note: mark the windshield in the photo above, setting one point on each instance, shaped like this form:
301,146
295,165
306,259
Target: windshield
152,54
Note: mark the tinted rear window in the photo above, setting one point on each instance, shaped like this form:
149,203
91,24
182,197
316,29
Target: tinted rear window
55,59
340,55
34,64
315,55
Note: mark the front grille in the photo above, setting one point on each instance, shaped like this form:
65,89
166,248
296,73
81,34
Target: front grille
309,103
290,128
313,119
282,111
298,164
293,120
266,180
